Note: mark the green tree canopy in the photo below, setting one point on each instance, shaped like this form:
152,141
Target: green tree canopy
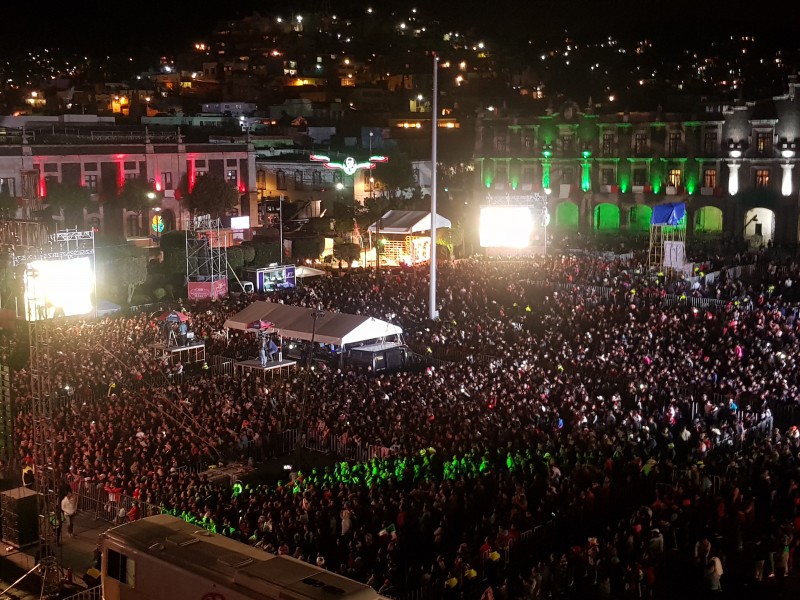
137,195
212,195
394,175
70,198
321,225
264,253
130,272
248,253
235,260
307,248
346,252
173,245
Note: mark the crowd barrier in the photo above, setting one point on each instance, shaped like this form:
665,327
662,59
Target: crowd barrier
93,498
95,593
150,307
220,365
323,442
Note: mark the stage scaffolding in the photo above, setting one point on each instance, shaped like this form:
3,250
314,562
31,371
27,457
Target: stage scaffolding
667,238
206,254
61,245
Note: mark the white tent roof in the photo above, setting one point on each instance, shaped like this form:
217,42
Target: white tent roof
304,271
408,222
296,322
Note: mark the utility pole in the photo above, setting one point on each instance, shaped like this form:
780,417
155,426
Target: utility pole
378,246
433,313
280,226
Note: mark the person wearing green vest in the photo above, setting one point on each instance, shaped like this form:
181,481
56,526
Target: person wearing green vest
55,522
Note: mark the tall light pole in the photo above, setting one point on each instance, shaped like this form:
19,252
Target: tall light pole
371,178
280,227
433,313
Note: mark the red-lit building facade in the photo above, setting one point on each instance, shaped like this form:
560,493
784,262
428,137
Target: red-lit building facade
103,168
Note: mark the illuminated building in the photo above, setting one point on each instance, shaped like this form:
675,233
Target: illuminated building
734,164
104,163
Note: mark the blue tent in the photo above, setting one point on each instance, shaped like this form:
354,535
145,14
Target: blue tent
668,214
106,307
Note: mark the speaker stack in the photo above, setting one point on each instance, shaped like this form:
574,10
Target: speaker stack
19,508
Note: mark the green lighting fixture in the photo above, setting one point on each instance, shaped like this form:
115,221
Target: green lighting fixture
586,179
546,176
586,182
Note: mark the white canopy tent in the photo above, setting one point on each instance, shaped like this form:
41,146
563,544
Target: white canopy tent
297,322
303,271
408,222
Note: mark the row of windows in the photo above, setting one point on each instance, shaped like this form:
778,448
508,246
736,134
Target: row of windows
301,178
91,181
640,177
568,143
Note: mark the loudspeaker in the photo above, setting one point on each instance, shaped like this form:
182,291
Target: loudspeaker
20,512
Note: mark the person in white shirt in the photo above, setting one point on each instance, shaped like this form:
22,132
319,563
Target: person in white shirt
69,506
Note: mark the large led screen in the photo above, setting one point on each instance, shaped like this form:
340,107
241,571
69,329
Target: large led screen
59,288
506,226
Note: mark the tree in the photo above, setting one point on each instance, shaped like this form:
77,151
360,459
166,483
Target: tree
455,234
266,254
395,175
70,198
124,267
173,245
235,260
248,253
320,225
131,272
346,252
212,195
137,195
307,248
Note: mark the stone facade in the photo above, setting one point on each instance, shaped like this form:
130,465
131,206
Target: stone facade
734,165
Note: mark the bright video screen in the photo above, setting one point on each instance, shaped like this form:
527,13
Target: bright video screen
506,226
58,288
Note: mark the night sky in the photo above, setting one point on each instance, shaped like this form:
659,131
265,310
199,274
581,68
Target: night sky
106,27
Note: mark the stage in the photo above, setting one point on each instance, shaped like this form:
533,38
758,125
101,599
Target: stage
279,367
227,475
191,353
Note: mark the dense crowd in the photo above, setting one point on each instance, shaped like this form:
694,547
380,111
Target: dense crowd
610,420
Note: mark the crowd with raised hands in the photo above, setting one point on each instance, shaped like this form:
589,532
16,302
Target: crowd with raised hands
612,418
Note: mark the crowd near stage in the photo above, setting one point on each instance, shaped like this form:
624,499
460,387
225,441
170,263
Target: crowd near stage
573,426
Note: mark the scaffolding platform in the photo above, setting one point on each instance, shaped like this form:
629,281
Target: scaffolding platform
276,367
191,353
227,475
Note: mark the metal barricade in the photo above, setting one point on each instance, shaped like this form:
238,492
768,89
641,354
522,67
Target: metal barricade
95,593
317,440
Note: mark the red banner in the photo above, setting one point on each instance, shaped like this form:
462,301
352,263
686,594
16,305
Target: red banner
202,290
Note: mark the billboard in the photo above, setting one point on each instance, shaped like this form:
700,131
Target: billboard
208,290
506,226
59,288
240,222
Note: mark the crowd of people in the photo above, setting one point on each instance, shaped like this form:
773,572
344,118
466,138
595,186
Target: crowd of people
584,442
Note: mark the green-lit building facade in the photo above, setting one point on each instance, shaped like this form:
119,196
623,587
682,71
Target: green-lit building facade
734,164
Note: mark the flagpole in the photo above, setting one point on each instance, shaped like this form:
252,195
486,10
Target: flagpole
433,313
